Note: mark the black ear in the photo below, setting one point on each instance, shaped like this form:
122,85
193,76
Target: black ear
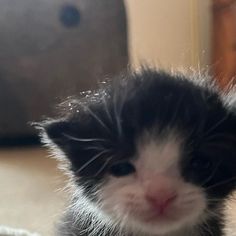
53,131
69,140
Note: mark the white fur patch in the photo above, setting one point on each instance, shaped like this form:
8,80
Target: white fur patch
157,167
158,157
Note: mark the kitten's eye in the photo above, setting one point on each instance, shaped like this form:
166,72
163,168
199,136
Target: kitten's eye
122,169
200,163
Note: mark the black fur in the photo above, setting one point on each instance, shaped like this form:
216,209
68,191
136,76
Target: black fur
114,116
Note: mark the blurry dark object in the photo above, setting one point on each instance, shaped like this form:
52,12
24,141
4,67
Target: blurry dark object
70,16
224,42
50,50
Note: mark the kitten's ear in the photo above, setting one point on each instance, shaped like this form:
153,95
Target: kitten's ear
53,132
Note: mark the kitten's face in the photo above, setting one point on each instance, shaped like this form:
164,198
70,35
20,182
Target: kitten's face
152,196
156,154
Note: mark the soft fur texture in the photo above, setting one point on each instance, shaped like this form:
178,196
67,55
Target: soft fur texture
150,153
7,231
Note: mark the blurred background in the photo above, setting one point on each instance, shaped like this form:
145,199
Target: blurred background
52,49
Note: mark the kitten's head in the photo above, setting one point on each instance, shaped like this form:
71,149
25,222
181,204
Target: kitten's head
152,151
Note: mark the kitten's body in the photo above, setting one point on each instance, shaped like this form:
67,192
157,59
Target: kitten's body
152,154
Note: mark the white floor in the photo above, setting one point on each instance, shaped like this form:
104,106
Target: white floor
30,195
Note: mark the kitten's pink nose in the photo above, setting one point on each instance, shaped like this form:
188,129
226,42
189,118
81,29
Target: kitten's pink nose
161,201
161,194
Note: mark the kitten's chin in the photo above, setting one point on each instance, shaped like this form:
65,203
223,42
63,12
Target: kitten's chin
173,222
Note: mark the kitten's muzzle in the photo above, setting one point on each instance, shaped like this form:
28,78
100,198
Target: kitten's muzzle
161,194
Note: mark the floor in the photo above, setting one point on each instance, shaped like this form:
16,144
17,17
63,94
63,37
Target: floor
31,195
31,191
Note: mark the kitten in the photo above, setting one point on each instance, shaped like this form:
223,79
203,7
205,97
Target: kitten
151,154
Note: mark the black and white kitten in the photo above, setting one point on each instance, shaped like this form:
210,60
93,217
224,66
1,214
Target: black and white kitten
151,154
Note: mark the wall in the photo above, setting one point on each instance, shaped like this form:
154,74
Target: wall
205,23
169,33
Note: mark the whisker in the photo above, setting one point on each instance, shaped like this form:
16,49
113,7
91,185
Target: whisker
177,108
97,118
212,213
119,99
97,148
121,222
220,135
212,174
187,201
214,200
117,116
92,160
221,183
106,109
104,165
184,199
215,126
207,228
84,139
190,193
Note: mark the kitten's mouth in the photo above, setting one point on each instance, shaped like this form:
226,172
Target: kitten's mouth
160,217
157,223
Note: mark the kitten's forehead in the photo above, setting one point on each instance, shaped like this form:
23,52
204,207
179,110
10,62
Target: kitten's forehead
158,155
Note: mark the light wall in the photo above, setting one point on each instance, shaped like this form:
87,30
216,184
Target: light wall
169,33
205,23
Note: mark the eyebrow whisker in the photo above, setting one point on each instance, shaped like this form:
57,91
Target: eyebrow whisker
92,160
84,139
